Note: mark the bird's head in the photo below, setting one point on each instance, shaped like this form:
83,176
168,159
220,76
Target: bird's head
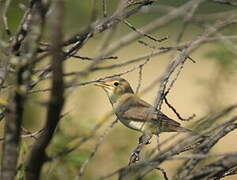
115,88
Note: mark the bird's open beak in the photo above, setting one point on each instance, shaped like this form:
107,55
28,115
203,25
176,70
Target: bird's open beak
103,85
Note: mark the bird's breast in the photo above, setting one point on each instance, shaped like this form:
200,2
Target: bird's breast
122,105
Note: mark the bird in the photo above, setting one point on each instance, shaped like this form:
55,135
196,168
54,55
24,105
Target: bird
136,113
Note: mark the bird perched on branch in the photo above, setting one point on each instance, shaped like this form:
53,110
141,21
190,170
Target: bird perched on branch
135,113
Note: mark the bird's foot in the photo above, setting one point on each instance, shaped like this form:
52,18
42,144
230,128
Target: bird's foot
148,142
134,157
144,140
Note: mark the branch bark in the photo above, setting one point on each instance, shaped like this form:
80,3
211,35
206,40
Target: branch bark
15,108
38,155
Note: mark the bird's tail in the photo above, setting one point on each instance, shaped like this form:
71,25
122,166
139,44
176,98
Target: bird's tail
169,125
182,129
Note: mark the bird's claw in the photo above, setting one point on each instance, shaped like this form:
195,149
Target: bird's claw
134,158
148,142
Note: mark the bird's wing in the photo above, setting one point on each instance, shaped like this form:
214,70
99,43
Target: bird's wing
136,113
163,118
157,116
142,111
138,110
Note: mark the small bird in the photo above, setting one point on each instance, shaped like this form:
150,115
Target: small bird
135,113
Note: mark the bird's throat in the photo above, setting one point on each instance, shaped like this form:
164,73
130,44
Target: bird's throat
120,101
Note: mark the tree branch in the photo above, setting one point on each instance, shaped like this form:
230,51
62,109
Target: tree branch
37,155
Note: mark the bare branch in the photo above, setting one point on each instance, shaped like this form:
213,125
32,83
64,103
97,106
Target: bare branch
97,145
227,2
4,4
37,155
105,13
179,59
144,34
151,27
93,59
177,114
15,108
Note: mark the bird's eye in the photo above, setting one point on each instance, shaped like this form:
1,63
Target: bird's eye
116,83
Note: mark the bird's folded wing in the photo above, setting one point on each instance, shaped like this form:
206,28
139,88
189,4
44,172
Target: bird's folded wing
137,114
138,110
165,119
142,111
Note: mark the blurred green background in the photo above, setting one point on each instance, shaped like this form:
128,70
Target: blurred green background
205,87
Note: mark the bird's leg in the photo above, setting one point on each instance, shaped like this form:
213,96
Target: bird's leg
158,142
143,140
158,137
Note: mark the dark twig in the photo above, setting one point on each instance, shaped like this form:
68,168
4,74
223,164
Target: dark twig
227,2
31,134
230,172
204,148
97,145
104,25
168,90
177,114
28,134
144,34
93,59
180,146
113,66
138,59
80,39
92,81
178,48
163,172
171,15
179,59
214,169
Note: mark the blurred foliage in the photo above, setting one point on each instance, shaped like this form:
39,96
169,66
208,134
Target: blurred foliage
225,58
78,13
153,176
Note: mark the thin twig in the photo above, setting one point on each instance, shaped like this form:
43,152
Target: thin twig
227,2
177,114
140,73
104,2
144,34
163,172
92,81
97,145
93,59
